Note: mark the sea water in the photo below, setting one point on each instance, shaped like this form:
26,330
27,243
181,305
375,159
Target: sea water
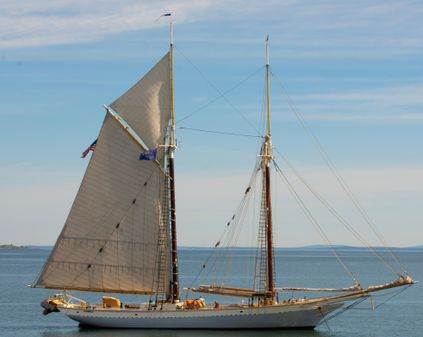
397,314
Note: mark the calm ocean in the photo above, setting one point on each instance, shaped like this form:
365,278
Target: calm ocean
21,314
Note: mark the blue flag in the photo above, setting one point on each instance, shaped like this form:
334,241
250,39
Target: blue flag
149,155
165,14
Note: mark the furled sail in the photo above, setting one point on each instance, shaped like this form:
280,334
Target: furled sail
110,241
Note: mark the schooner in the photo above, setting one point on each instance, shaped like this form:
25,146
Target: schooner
120,236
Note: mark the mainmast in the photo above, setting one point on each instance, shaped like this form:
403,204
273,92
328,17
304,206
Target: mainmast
266,159
171,149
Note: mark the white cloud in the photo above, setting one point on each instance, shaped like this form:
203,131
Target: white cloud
388,104
409,94
39,23
376,117
35,205
35,213
206,203
301,28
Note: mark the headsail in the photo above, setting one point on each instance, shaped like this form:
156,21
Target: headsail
110,240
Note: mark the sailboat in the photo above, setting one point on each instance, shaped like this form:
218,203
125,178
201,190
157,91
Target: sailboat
120,236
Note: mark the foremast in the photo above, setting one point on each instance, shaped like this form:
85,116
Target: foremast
266,156
171,151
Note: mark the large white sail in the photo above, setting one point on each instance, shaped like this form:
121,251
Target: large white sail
146,106
110,240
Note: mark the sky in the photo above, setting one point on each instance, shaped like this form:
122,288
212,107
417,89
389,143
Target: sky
353,70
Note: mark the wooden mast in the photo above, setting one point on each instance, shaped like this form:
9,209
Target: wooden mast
267,157
172,147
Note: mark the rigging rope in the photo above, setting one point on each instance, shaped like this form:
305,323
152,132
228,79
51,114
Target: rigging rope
235,228
332,210
337,313
231,230
336,174
313,220
220,132
221,94
391,297
360,300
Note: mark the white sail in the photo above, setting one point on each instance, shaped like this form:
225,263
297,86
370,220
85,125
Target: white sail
146,106
110,241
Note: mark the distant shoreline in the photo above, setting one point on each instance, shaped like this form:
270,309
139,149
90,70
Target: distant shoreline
12,246
315,248
305,248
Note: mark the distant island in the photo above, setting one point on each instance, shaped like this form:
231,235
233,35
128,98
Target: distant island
308,247
317,248
11,246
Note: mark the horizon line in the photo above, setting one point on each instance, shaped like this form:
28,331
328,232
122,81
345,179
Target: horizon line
312,246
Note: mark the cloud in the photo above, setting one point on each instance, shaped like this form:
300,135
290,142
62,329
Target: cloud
206,210
34,211
389,104
301,28
375,117
40,23
411,94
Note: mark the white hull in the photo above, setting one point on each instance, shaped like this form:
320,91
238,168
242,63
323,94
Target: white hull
296,314
293,316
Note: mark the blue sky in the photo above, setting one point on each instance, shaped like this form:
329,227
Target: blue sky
353,69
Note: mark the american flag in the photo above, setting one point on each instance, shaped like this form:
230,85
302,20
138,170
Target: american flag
90,148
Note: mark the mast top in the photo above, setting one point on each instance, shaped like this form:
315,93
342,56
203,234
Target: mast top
171,31
268,90
267,51
172,101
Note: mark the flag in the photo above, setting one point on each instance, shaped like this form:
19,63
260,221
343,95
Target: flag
149,155
90,148
166,14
